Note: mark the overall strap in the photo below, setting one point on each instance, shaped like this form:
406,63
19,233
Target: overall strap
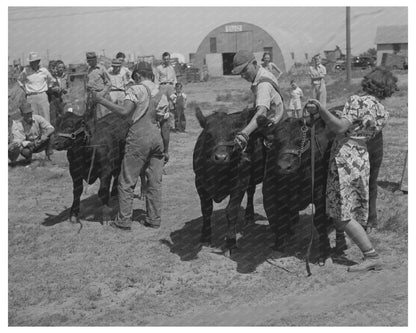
274,85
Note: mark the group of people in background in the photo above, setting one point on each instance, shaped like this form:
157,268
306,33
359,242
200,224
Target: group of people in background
317,73
112,84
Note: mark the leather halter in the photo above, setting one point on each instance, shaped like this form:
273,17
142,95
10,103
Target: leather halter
304,146
224,144
74,134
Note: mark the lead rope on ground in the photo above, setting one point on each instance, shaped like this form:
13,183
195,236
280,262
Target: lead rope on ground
273,264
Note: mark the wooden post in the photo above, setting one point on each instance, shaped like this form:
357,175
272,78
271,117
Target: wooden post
348,48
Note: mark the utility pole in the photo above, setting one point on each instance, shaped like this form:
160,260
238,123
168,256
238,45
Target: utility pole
104,52
348,23
47,55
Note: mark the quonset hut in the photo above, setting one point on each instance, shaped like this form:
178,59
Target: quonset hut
218,48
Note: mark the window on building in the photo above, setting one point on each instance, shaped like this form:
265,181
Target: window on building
213,45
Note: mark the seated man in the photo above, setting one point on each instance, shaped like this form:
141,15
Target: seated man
29,135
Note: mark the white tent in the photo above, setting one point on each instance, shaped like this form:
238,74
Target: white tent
179,56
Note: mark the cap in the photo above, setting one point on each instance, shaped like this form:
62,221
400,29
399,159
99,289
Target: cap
33,56
241,60
91,55
116,63
143,66
25,108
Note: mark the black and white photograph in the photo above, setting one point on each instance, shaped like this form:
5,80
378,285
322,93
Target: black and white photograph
207,165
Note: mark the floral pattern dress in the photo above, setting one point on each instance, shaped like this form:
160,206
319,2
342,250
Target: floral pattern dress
349,169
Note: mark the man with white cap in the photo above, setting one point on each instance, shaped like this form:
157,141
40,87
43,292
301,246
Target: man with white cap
268,101
35,81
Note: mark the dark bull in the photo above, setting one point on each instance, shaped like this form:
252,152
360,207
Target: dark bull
93,152
221,170
287,184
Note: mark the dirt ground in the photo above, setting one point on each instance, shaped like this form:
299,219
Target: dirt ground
106,277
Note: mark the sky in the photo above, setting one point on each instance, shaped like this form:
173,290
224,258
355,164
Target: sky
68,32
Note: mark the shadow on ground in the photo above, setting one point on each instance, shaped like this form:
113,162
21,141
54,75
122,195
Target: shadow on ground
254,247
91,211
388,186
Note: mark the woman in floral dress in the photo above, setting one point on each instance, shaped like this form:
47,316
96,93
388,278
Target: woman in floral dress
349,170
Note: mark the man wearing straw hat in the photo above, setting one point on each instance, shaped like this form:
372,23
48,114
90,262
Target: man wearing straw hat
35,81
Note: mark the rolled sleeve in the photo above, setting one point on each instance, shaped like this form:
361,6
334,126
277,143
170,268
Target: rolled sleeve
351,109
264,95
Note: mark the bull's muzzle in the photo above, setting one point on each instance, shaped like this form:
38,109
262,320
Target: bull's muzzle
288,163
221,157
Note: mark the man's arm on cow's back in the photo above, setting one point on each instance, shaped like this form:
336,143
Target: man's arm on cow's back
123,110
263,100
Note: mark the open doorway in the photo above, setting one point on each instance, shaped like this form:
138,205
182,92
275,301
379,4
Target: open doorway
227,63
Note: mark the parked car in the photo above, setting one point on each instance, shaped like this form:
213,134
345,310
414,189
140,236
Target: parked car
356,62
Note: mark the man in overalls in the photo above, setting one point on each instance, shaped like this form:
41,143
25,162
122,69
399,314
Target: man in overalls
268,101
145,146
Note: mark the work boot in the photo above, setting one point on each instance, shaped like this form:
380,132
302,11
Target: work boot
371,262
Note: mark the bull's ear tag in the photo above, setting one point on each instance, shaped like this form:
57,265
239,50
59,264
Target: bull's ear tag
269,124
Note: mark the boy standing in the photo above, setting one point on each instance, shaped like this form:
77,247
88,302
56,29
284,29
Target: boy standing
178,99
295,104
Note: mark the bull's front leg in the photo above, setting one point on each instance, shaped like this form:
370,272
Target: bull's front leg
104,195
206,210
280,225
232,219
77,188
249,216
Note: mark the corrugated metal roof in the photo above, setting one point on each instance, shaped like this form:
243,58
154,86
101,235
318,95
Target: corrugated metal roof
391,34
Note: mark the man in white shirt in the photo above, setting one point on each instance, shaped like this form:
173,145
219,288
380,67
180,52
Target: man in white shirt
317,73
165,78
118,81
35,81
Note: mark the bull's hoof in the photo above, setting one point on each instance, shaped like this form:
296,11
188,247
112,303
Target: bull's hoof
228,253
205,241
279,247
230,247
106,215
73,218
